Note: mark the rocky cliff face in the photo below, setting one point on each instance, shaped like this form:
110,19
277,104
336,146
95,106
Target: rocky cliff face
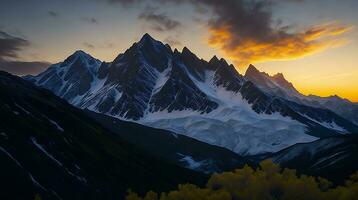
210,101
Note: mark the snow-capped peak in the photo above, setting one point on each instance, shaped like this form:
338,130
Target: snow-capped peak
280,79
80,54
276,84
178,91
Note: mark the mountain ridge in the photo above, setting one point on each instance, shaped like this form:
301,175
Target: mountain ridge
49,147
333,158
285,89
209,101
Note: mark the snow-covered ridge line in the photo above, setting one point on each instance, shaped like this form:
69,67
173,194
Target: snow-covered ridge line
177,91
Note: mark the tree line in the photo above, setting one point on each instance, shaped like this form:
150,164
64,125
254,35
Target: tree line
267,182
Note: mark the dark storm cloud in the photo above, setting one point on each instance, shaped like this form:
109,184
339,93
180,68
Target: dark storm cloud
10,45
159,21
23,68
247,18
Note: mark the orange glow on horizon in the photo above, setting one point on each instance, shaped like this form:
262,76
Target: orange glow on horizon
323,81
288,47
314,75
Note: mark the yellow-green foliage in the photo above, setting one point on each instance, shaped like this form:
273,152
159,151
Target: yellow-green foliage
38,197
269,182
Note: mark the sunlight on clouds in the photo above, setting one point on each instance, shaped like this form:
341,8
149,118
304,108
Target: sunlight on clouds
281,46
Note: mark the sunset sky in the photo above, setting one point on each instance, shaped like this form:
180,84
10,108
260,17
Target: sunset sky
314,43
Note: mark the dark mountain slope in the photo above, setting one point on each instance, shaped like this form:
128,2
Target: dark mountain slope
49,147
334,158
179,149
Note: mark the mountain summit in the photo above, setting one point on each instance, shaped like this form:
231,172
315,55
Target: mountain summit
54,149
277,85
177,91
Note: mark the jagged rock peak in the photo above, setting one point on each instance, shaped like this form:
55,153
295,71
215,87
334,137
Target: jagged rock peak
146,37
214,59
222,60
82,57
176,51
252,69
81,54
279,77
186,50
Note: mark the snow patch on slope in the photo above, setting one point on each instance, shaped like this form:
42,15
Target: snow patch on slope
162,78
233,125
45,152
23,109
56,124
306,148
330,125
191,163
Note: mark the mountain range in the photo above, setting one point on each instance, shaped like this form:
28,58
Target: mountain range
279,86
156,86
156,117
51,148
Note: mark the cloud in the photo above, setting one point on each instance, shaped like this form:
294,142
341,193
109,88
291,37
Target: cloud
53,14
172,41
159,21
92,46
23,68
124,2
9,49
91,20
282,45
289,1
246,32
88,45
10,45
